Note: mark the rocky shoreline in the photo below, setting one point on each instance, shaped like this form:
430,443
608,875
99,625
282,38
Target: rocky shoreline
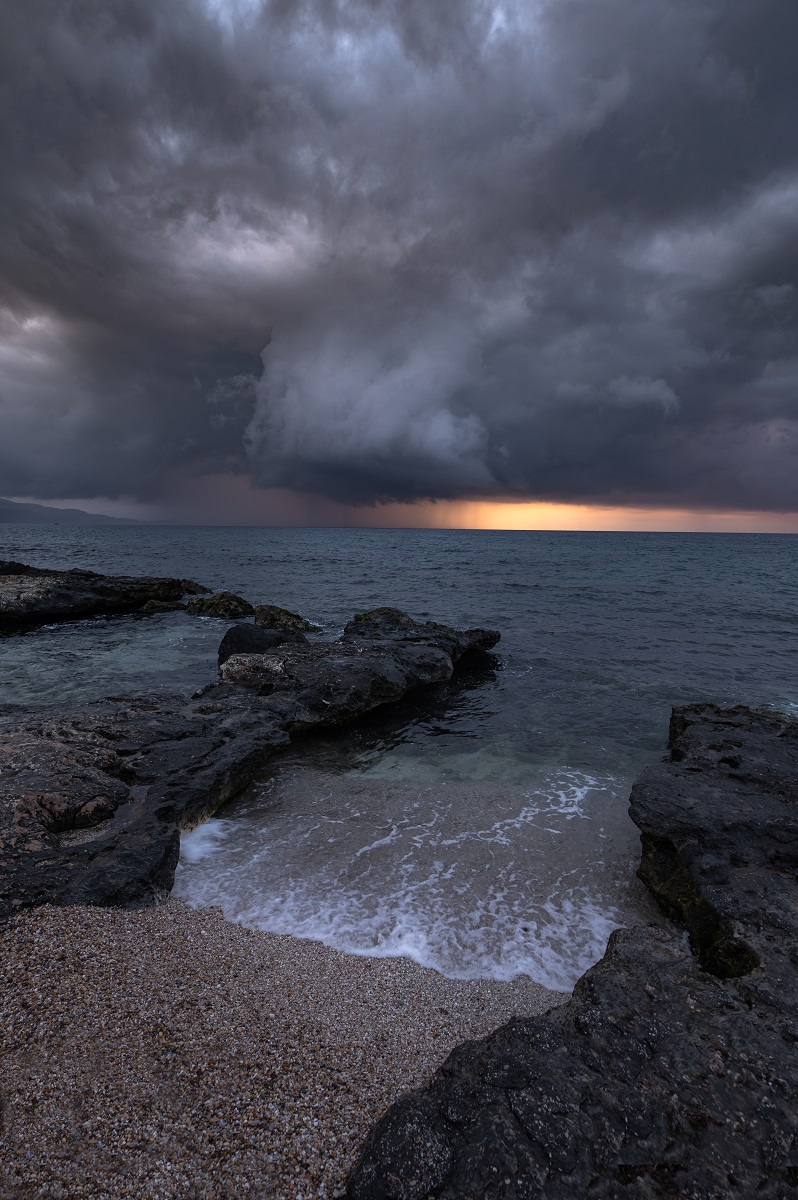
673,1069
93,798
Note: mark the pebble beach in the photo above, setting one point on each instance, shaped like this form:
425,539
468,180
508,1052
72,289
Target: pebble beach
166,1054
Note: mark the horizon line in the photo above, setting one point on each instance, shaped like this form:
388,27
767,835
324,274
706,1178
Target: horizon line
281,509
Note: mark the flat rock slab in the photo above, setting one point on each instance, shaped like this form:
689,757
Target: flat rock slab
36,596
673,1070
93,798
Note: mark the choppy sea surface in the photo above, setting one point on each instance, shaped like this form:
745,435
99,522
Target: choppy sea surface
480,828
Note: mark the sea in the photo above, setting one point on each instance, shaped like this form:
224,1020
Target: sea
479,827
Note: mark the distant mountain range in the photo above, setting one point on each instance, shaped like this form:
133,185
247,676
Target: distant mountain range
39,514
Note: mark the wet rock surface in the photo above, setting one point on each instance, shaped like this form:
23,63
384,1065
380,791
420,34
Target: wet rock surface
221,604
36,596
162,606
92,799
673,1070
379,658
272,616
248,639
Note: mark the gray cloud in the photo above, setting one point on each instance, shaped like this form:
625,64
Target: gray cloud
401,250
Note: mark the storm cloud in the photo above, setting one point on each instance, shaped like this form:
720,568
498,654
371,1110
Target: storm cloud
387,250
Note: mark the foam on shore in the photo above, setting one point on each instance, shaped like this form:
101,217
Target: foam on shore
477,876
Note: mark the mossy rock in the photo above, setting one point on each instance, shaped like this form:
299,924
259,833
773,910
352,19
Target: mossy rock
220,604
271,616
161,606
394,617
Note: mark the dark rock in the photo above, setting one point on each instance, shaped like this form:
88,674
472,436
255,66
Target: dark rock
271,616
9,567
221,604
719,830
161,606
673,1070
327,683
248,639
92,799
392,625
34,596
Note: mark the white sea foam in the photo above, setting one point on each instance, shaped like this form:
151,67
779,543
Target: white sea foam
409,872
203,841
496,938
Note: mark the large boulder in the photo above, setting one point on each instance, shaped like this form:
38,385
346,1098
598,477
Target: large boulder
673,1070
248,639
226,605
35,595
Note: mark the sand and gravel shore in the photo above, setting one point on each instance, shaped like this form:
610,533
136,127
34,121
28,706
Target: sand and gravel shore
167,1053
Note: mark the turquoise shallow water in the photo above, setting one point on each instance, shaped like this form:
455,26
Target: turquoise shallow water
481,829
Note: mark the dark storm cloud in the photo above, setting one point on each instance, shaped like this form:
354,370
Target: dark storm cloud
542,249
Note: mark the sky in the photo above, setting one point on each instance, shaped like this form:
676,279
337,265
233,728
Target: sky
513,262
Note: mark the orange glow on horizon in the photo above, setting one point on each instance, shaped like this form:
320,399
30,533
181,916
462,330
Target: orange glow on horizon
493,514
232,500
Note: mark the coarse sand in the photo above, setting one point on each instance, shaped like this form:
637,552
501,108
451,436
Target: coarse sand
168,1053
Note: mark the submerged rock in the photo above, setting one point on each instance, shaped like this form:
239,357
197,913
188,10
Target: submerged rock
248,639
35,596
271,616
673,1070
93,798
221,604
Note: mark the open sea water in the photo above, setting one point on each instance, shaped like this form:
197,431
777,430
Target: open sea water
480,828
